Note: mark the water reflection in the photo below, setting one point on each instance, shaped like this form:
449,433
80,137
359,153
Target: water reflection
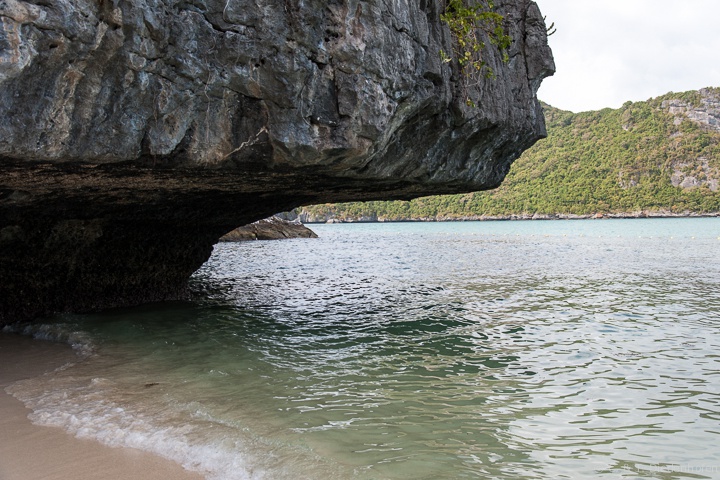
408,352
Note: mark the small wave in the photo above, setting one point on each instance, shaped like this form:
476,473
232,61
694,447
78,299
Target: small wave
84,414
112,413
81,342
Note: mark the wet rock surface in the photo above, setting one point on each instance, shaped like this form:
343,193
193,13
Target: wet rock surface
272,228
134,134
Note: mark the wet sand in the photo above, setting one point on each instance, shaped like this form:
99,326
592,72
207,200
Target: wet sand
31,452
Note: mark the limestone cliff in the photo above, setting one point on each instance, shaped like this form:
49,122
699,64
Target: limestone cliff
133,134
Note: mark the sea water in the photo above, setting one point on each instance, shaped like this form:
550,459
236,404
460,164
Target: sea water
505,350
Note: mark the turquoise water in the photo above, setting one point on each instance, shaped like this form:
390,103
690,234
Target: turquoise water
544,349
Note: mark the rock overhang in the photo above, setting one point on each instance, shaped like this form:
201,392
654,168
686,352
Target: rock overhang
135,134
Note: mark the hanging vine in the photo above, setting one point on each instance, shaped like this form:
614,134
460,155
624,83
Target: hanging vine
469,24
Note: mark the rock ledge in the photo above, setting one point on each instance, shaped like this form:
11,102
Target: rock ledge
133,134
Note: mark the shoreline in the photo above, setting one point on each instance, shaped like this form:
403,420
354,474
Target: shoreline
518,217
29,451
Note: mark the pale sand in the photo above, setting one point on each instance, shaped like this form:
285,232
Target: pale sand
31,452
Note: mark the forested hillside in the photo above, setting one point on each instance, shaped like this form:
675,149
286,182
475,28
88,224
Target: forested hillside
661,156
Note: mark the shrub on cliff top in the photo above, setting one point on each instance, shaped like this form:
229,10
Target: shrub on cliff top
467,23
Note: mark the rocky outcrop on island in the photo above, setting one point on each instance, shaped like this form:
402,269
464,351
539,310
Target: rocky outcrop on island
272,228
133,134
704,111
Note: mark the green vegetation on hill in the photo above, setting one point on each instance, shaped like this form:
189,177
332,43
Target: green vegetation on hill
662,155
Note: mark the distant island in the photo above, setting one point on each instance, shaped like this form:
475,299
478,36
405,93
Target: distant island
660,157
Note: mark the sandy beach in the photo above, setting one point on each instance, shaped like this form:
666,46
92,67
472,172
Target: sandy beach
31,452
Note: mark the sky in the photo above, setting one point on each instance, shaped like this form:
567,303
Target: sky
610,51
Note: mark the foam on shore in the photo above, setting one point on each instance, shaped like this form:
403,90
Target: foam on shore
69,390
31,451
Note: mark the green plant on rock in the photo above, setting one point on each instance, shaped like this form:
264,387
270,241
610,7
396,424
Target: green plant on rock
467,24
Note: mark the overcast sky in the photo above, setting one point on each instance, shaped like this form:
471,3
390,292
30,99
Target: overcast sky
610,51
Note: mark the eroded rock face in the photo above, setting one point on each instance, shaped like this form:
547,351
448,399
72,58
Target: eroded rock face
133,134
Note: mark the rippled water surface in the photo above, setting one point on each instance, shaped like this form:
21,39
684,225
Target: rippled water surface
562,349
